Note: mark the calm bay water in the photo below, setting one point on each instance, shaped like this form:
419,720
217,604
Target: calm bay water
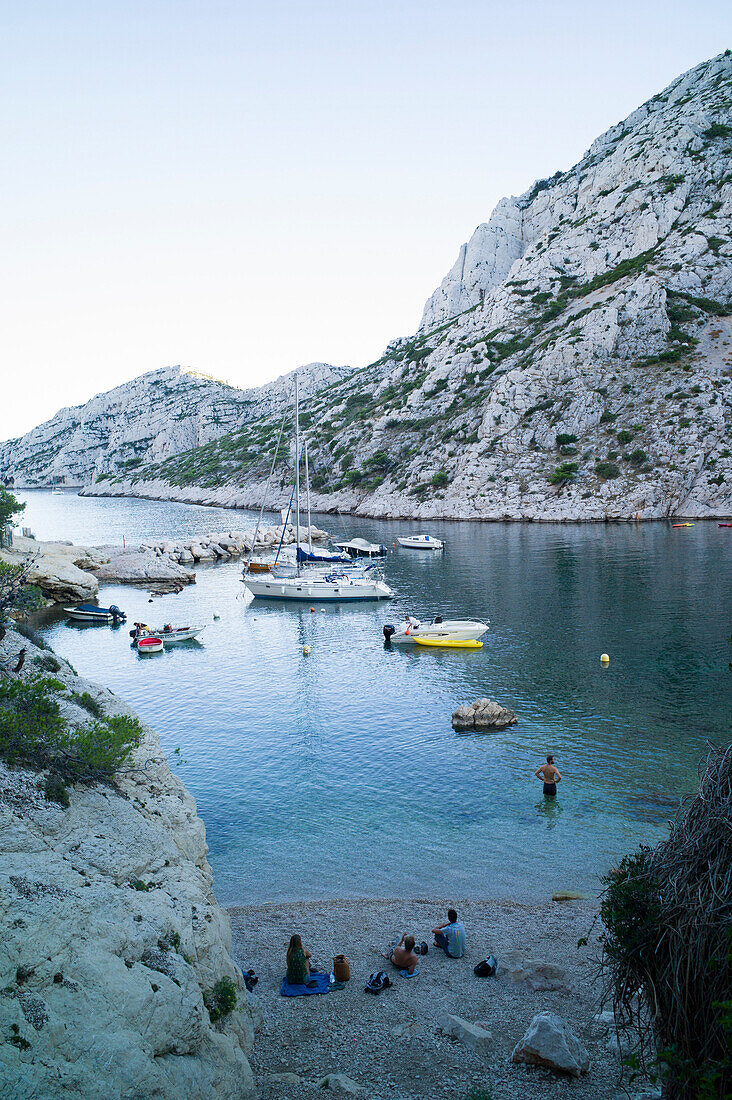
338,774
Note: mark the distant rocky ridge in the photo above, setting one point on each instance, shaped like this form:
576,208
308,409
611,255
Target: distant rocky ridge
574,364
146,420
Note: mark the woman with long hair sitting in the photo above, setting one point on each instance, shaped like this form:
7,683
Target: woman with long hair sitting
298,962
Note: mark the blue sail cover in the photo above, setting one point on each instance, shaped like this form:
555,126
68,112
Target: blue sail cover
320,555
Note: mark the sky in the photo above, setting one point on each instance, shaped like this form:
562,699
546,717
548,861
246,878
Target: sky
244,187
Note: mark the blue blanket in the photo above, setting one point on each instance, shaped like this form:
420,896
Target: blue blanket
322,985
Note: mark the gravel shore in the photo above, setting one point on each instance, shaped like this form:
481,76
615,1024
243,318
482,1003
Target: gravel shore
392,1045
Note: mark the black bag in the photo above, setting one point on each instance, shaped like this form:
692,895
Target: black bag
487,968
378,981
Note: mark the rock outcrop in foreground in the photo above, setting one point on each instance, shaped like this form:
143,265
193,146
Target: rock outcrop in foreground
110,934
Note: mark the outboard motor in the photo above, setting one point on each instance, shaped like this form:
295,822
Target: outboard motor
118,616
389,632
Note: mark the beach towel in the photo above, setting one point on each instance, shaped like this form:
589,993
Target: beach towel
322,985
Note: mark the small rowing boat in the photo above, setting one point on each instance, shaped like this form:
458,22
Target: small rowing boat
724,525
149,644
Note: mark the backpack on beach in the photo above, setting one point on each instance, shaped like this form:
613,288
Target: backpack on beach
487,968
341,969
378,981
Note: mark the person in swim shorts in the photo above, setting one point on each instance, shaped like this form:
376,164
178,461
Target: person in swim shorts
402,955
549,774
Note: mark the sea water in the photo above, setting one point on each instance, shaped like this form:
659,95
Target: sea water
338,773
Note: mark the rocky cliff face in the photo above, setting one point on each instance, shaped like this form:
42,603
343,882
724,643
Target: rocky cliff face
110,933
145,420
574,364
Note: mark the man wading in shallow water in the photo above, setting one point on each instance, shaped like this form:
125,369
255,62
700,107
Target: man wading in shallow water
550,775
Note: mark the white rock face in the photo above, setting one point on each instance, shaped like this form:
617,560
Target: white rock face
483,263
575,364
109,935
150,418
550,1042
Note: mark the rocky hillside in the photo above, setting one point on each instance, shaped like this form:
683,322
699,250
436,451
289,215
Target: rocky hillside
574,364
146,420
110,934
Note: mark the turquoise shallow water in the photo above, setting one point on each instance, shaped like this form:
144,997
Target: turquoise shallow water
339,774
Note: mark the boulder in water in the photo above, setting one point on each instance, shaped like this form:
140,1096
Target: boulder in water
483,714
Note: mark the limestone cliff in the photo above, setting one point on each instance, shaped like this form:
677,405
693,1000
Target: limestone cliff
574,363
148,419
110,932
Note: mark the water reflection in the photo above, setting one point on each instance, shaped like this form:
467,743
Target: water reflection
311,771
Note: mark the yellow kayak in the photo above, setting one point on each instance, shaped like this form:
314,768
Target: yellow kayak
452,645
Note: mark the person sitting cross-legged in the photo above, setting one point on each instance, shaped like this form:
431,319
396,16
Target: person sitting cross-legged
451,936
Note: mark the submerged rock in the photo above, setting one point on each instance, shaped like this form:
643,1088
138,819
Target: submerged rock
483,714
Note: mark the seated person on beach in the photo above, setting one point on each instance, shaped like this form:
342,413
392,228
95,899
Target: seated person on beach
451,936
402,955
549,773
298,962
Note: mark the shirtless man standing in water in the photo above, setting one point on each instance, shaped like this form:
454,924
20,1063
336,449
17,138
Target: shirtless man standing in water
550,774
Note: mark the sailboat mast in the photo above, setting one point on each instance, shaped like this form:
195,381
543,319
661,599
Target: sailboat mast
307,491
297,468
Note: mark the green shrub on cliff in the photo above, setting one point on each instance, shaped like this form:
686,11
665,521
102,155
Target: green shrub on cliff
221,1000
34,732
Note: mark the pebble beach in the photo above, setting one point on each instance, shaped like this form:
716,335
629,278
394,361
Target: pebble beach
392,1045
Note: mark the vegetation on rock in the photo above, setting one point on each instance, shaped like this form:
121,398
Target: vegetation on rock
667,944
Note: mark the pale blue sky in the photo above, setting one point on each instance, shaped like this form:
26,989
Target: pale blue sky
244,187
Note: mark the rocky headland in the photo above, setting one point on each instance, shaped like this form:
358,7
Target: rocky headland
66,573
574,364
111,940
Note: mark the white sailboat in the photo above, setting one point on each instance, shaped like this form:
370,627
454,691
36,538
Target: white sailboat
331,582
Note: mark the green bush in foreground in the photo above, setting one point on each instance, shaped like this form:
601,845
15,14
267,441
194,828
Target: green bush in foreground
33,731
221,1000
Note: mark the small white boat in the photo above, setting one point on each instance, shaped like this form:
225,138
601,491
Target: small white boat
456,633
421,542
149,644
168,635
360,548
90,613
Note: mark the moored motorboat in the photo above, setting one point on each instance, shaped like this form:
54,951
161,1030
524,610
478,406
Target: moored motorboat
421,542
169,635
90,613
361,548
149,644
455,633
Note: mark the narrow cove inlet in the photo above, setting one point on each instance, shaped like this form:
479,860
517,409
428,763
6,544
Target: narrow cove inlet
337,774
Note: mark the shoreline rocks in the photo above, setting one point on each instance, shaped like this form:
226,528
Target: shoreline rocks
483,714
66,573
